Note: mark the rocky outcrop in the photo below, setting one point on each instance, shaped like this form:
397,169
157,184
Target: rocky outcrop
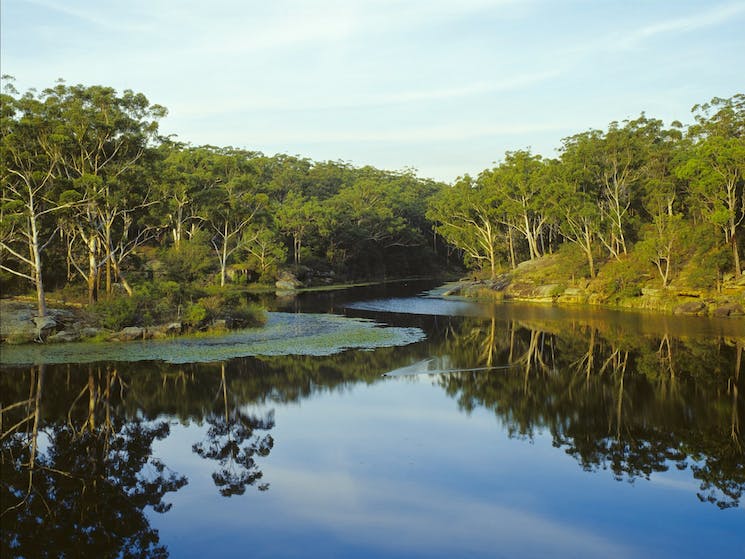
728,309
64,336
20,323
287,281
692,308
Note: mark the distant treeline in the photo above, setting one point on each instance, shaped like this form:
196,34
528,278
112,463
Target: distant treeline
94,199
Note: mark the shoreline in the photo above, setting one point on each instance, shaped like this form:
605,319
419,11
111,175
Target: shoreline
659,301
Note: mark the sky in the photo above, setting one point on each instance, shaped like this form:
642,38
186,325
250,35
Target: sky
444,87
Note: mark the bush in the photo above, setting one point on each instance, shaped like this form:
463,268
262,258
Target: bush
117,312
191,263
620,279
195,314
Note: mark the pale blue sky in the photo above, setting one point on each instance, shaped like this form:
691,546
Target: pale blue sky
443,86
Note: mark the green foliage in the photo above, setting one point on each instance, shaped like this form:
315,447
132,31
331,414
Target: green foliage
194,314
141,207
117,312
190,262
622,279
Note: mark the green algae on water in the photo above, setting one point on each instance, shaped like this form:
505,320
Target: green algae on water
283,334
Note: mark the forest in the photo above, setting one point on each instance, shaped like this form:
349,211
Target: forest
97,206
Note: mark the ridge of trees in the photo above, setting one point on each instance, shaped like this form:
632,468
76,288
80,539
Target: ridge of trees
93,196
637,193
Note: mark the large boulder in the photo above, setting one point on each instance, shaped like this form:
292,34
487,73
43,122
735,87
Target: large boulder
693,308
287,281
45,325
130,333
728,309
64,336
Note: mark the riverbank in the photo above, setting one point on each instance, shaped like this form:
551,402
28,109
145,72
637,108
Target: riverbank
541,281
122,319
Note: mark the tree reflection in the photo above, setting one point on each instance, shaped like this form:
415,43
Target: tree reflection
232,442
80,484
613,400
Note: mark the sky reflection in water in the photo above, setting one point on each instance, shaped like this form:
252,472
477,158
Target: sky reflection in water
396,470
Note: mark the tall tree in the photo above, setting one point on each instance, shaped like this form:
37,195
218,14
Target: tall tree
107,135
235,204
519,186
574,207
29,164
716,167
466,216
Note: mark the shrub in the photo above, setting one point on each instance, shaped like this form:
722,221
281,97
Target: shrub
192,262
117,312
195,314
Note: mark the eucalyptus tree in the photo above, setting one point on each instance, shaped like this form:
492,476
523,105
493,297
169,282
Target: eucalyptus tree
185,178
716,167
233,205
106,137
575,209
368,227
519,185
29,164
298,217
662,199
466,216
614,161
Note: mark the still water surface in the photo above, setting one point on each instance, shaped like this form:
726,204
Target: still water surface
505,431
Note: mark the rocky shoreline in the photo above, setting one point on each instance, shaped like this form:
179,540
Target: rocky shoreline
505,287
20,323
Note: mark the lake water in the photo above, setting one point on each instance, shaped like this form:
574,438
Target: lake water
495,431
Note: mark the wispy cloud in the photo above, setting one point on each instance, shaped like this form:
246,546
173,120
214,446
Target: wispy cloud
714,16
357,505
447,133
91,16
304,103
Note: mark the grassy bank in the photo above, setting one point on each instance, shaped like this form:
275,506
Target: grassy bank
558,279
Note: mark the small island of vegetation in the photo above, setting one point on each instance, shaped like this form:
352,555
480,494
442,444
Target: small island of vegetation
143,231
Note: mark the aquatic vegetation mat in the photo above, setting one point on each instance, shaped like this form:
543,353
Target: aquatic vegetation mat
283,334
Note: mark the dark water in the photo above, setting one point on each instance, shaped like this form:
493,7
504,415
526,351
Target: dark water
511,431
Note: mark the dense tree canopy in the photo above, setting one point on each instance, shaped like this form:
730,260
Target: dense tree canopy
95,200
670,200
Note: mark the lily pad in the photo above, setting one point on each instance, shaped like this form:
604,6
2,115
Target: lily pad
283,334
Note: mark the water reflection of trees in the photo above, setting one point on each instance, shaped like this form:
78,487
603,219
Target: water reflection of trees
231,441
80,480
78,471
612,399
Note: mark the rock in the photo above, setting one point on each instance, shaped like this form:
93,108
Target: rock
695,308
45,325
652,292
550,290
131,333
17,330
63,336
573,295
90,332
287,281
283,285
729,309
220,324
500,283
456,290
163,331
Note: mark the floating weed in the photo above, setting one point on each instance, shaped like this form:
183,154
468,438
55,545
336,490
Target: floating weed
283,334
